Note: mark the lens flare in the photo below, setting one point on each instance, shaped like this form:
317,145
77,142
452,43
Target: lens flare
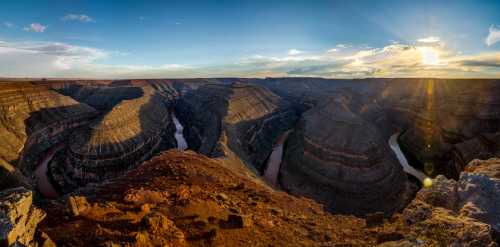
427,182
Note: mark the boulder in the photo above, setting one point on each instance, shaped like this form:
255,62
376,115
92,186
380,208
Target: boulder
18,217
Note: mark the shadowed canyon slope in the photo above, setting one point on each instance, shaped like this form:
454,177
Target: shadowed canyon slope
237,122
99,145
338,156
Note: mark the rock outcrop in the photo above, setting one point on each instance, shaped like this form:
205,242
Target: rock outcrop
238,121
438,226
490,167
339,157
18,218
474,195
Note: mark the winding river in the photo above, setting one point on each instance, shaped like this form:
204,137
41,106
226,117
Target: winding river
274,161
393,143
179,136
42,179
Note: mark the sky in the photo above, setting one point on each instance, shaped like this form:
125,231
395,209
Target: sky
172,39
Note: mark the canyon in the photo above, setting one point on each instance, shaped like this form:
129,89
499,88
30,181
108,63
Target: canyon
279,161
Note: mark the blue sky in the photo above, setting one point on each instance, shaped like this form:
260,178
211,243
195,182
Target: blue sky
125,39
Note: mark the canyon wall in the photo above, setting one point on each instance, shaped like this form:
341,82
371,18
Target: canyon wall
124,135
237,121
33,118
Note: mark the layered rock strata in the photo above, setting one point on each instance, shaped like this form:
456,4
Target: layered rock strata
32,119
339,157
237,121
451,123
129,133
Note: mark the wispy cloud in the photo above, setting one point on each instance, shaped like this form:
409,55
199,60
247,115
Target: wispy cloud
35,27
52,59
430,39
78,17
8,24
493,35
48,56
342,46
293,52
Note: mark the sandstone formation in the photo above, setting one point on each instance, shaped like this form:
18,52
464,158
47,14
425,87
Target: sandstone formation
449,121
438,226
474,195
490,167
18,218
186,199
123,136
32,119
434,114
341,159
236,121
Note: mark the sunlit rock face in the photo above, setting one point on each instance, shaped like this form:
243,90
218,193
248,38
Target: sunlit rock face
339,157
18,218
33,118
476,194
236,121
122,137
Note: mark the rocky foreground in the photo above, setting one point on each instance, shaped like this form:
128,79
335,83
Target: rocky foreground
186,199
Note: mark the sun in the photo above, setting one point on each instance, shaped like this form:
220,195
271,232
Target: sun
429,56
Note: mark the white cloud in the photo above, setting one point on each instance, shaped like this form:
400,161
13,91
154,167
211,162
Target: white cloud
333,50
175,66
8,24
342,46
53,59
493,36
430,39
33,57
35,27
77,17
293,52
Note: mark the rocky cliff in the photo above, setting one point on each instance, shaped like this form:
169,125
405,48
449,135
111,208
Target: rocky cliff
19,219
32,119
